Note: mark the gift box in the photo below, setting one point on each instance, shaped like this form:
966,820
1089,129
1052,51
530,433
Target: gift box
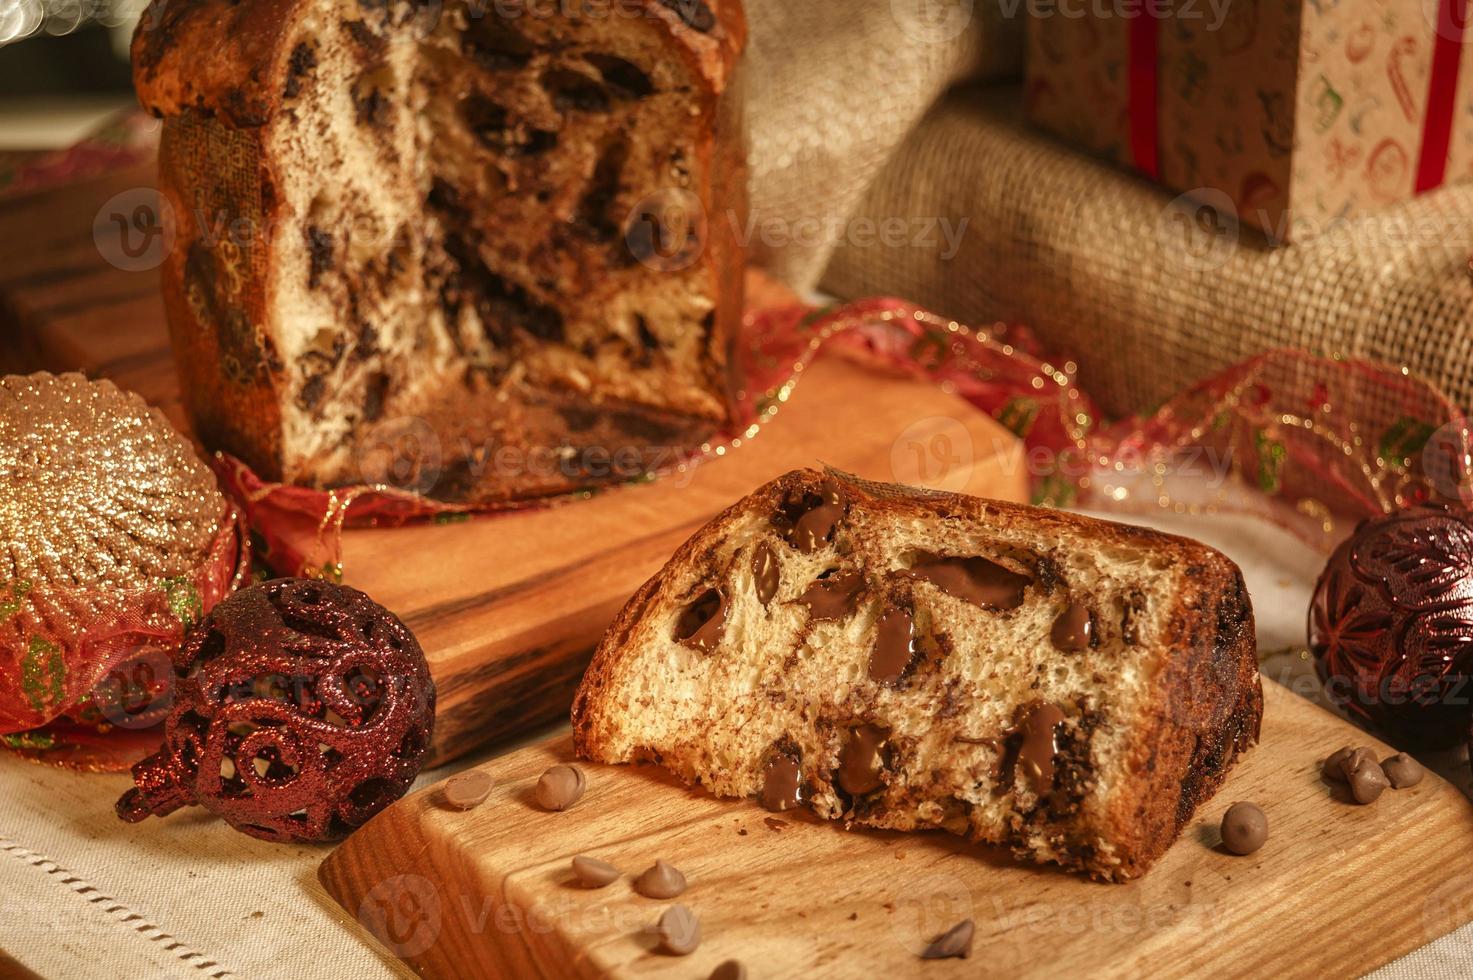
1295,115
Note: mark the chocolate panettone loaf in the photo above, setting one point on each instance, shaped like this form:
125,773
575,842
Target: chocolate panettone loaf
478,249
906,660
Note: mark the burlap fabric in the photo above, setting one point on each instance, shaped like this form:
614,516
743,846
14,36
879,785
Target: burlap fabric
1147,291
834,86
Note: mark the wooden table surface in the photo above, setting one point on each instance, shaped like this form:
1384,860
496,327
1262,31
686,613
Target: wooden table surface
1337,890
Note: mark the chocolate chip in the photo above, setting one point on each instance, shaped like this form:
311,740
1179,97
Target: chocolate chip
695,14
593,873
766,574
574,92
703,623
363,35
833,597
370,103
488,121
895,646
624,77
679,931
595,215
492,43
560,787
313,390
320,246
976,580
1074,630
1038,743
538,142
1367,780
468,790
814,525
375,392
660,881
1337,767
445,196
1244,828
782,785
647,339
955,942
1334,766
299,64
502,304
859,760
730,970
1402,770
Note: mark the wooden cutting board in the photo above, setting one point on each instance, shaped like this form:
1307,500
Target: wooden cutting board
507,609
1338,889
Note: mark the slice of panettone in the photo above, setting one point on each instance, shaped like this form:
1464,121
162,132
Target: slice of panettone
1071,688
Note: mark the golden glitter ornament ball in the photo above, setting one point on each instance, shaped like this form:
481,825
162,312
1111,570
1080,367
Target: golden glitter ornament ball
115,536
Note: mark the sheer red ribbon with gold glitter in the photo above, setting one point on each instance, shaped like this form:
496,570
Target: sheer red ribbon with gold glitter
85,685
1311,443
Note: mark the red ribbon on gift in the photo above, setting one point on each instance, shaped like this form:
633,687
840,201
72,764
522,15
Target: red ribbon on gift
1142,50
1442,91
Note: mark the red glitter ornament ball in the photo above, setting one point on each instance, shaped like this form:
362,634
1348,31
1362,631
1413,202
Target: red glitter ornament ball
301,709
1391,624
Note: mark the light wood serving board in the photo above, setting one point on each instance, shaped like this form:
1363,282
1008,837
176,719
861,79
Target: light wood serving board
1338,889
507,608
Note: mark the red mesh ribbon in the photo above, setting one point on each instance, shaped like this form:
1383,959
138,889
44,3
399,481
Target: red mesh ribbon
1311,443
91,665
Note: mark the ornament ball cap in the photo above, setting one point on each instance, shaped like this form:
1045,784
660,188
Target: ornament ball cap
157,793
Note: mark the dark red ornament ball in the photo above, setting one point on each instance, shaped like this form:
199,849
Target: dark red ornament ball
1391,624
301,709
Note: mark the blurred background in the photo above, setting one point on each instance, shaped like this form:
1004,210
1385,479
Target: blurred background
63,68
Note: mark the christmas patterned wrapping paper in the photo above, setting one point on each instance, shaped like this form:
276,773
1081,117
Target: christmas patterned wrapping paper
1294,114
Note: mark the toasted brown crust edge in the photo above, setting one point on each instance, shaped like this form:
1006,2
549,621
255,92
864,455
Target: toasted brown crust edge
1209,711
1187,746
